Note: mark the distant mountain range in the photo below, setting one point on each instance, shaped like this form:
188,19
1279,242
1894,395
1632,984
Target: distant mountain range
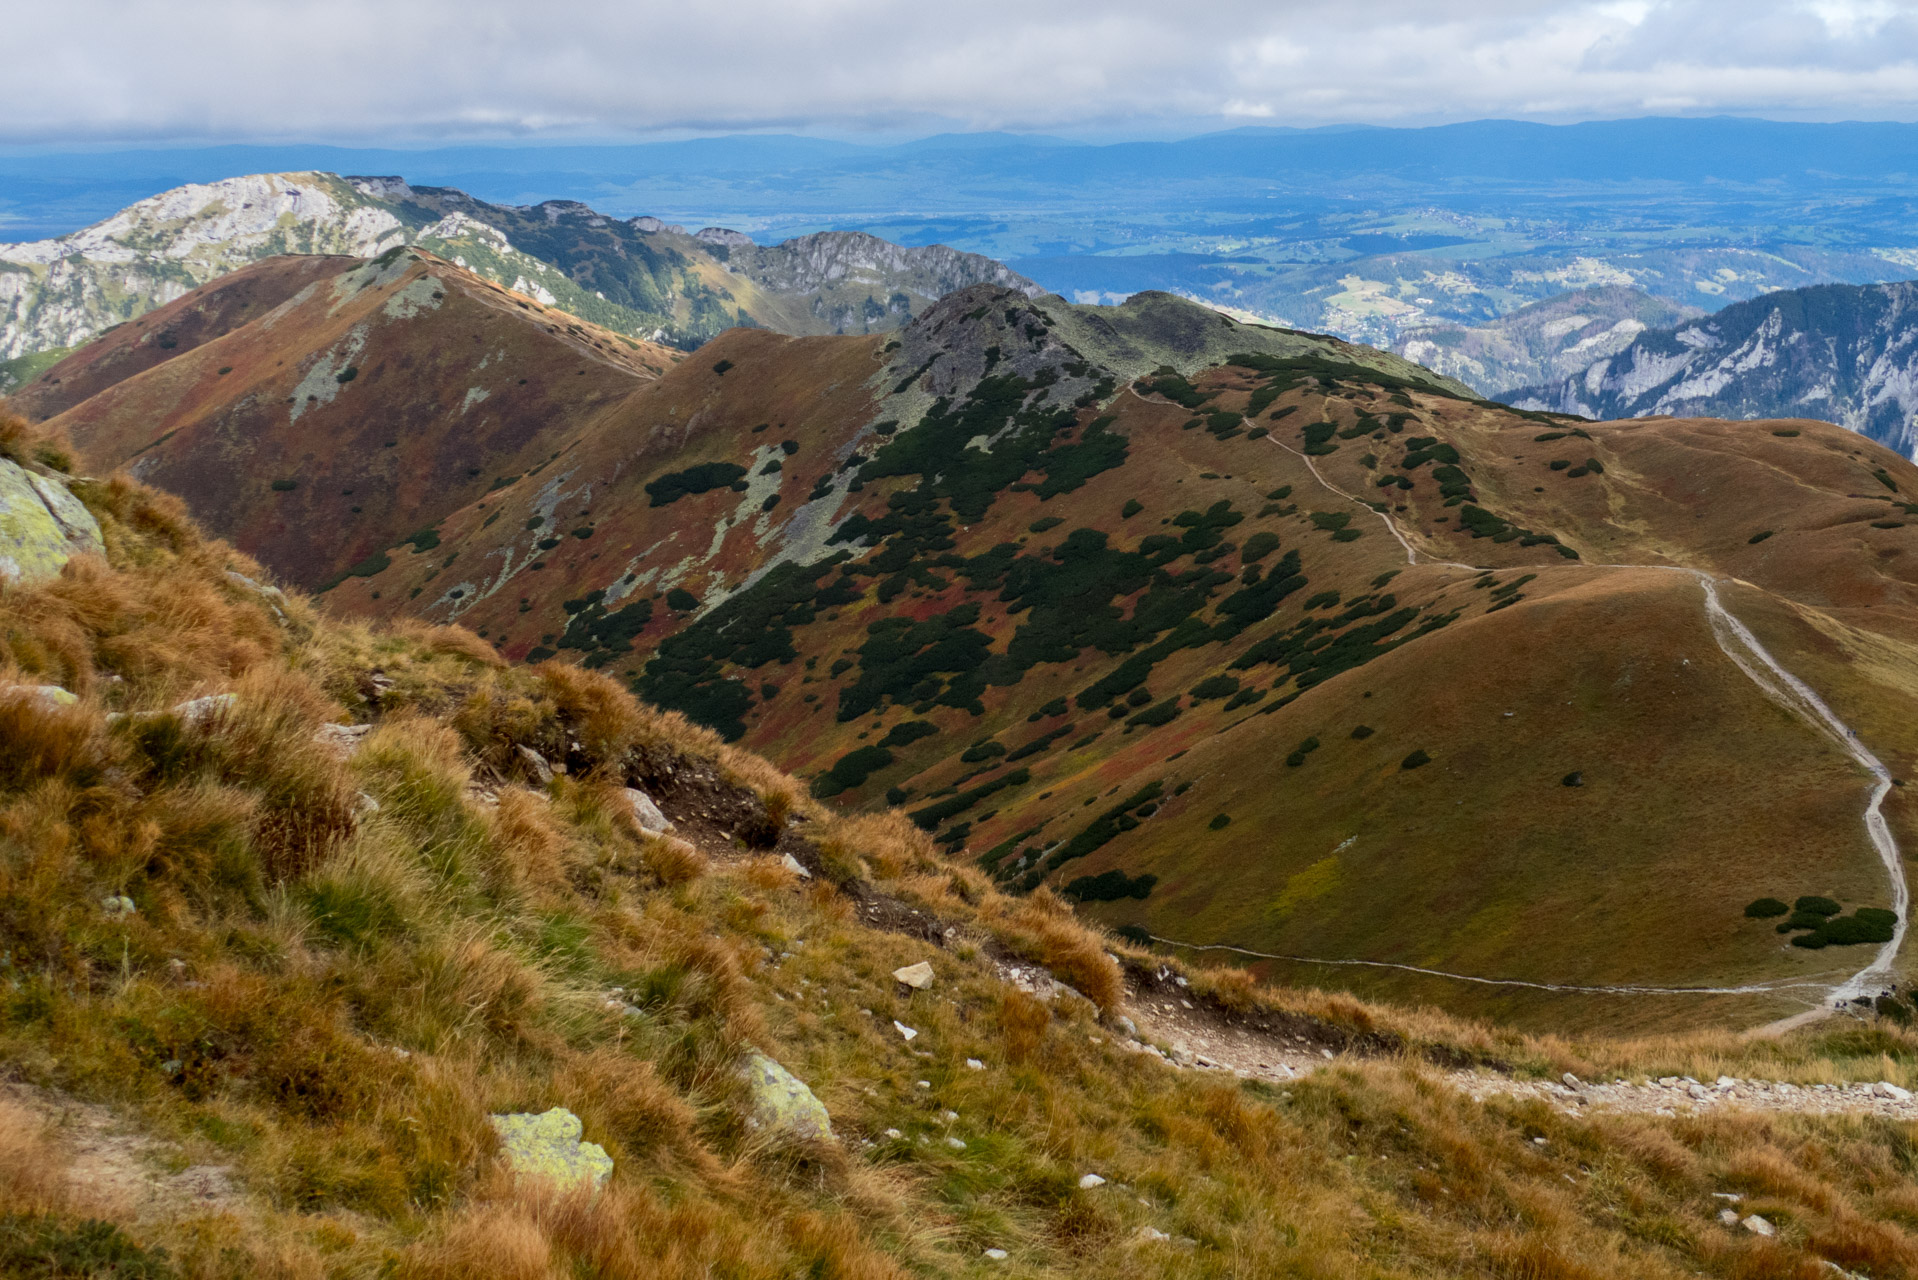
1543,341
638,276
1840,353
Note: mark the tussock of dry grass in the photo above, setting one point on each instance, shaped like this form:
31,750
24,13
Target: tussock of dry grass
337,970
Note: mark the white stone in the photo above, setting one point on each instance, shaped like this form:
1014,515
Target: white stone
917,976
1758,1226
1886,1089
1728,1216
904,1030
997,1255
1091,1180
1152,1233
957,1144
793,865
973,1064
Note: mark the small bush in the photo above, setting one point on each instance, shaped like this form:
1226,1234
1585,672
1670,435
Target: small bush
1765,909
1219,822
1785,434
1814,905
1418,759
1220,686
1131,508
1363,732
681,600
722,366
1760,537
284,486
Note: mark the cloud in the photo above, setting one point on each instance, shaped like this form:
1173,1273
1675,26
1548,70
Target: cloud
361,70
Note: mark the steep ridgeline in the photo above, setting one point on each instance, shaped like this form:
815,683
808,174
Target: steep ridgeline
1241,636
323,409
1838,353
1543,342
639,277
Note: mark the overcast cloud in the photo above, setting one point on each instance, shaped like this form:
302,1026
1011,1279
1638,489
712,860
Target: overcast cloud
366,70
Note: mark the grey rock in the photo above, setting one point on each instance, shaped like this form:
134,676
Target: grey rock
917,976
645,812
42,525
535,763
547,1145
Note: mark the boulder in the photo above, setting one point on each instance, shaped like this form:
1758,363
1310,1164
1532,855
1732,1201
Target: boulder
42,525
51,695
547,1145
917,976
646,813
200,712
781,1102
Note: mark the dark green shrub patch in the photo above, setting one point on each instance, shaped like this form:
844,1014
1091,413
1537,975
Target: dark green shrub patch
1884,477
1131,508
707,476
1812,904
1244,698
1363,732
1760,537
1418,759
934,814
681,600
1220,821
1110,886
604,636
1765,908
981,751
1152,717
1038,744
907,732
751,628
1785,434
284,486
930,663
1168,382
1259,546
1043,523
1105,827
1300,752
851,770
721,367
1220,686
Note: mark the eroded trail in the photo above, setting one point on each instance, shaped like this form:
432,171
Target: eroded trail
1745,650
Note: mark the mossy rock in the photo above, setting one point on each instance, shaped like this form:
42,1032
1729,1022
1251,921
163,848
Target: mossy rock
42,525
782,1104
547,1145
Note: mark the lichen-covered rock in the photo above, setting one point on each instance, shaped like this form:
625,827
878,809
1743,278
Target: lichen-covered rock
50,694
782,1104
547,1145
42,525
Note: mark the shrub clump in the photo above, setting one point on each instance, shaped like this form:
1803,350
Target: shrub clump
1765,908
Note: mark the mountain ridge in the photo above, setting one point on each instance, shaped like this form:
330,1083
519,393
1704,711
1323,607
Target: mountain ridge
639,276
1840,353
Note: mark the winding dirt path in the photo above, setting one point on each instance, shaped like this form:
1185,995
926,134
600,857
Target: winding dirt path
1750,656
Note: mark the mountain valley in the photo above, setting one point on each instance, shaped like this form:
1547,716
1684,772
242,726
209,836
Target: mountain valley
1047,576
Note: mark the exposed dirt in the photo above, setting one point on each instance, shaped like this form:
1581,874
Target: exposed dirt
113,1164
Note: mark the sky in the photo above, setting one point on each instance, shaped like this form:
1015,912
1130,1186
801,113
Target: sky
427,71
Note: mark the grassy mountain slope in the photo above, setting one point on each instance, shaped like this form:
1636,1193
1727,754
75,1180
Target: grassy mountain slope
1075,690
338,960
1149,637
373,399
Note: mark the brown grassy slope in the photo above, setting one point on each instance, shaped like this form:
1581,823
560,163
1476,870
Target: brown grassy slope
171,331
353,994
455,382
